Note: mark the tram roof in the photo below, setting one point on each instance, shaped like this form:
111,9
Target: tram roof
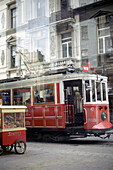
11,79
18,81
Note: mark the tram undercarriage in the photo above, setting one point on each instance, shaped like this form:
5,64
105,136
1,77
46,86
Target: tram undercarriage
56,135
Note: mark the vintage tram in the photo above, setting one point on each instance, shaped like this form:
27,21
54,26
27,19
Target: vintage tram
61,106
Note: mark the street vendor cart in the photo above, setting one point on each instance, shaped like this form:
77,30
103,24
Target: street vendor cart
12,129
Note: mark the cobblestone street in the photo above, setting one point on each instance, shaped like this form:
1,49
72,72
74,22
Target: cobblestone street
79,154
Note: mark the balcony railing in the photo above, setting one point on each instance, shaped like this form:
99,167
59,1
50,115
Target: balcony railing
44,67
43,20
61,15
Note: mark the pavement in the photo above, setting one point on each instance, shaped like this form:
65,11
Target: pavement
90,153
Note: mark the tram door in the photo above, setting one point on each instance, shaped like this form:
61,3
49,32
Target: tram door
111,108
73,102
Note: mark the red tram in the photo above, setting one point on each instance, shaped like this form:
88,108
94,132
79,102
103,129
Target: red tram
62,105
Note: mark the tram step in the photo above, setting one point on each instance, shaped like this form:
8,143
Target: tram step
76,127
77,136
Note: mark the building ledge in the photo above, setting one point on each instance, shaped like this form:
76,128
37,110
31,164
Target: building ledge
53,66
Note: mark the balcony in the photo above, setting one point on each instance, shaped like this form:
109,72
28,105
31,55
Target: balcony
38,22
61,15
53,67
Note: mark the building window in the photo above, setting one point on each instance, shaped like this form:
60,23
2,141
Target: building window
104,41
84,32
13,18
41,8
64,4
14,62
66,45
84,54
99,60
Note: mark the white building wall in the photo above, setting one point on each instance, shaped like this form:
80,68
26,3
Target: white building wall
28,40
3,59
90,43
74,4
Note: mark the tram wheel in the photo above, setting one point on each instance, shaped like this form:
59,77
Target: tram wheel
7,148
20,146
46,138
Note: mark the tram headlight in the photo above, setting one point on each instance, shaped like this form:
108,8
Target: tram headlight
103,116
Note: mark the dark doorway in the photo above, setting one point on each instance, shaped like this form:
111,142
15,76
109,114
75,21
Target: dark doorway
73,102
111,108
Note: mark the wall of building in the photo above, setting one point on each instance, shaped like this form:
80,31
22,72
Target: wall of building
40,26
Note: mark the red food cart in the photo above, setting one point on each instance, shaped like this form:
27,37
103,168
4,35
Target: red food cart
12,129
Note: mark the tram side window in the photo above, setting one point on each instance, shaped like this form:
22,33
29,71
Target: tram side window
78,104
87,89
69,90
104,91
93,91
13,120
5,96
21,96
98,87
44,93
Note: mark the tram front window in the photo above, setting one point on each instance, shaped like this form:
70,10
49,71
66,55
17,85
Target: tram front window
104,91
93,91
98,87
87,89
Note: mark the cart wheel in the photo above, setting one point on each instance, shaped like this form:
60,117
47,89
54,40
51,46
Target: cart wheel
7,148
20,146
1,150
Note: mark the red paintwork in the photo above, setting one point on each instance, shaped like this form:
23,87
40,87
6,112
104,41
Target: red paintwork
93,116
58,93
53,116
10,137
69,114
0,138
45,116
103,125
